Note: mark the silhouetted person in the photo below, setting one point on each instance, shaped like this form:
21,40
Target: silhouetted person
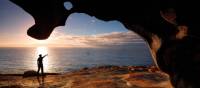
40,63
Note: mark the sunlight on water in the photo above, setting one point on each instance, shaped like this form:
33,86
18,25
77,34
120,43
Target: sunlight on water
19,60
43,50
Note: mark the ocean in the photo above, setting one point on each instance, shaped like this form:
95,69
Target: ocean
16,60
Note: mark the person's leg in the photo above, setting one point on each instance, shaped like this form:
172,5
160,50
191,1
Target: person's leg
38,69
42,69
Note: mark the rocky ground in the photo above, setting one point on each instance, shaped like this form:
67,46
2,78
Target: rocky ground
96,77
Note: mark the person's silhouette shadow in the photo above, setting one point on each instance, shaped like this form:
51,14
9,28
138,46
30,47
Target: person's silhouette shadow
41,81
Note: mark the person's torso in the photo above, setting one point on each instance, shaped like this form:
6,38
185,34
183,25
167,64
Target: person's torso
40,60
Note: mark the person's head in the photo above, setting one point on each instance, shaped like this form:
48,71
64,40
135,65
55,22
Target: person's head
40,55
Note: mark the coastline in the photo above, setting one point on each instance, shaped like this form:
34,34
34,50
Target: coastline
95,77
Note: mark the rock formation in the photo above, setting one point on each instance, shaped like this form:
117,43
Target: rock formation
169,26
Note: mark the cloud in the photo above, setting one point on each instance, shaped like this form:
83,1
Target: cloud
113,38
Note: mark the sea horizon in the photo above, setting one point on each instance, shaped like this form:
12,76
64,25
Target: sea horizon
16,60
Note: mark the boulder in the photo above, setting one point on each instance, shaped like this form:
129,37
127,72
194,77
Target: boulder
30,73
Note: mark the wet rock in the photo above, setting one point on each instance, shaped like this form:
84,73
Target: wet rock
153,69
12,86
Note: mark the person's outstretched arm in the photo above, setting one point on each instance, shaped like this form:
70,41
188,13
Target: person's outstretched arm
45,55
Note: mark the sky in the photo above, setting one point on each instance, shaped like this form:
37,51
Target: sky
80,30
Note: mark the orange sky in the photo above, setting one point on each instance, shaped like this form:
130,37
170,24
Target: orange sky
59,39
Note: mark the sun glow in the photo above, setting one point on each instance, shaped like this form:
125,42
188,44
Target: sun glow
41,42
43,50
